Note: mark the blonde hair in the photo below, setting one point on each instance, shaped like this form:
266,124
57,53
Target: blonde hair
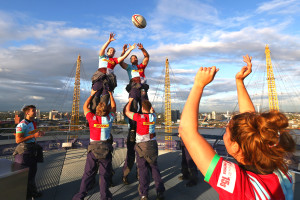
102,109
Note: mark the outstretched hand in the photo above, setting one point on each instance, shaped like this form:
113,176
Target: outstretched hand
125,48
131,47
246,70
205,75
111,37
140,45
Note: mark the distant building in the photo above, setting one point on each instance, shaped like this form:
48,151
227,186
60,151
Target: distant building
258,108
213,115
19,115
120,116
38,114
53,115
209,116
175,115
220,117
227,115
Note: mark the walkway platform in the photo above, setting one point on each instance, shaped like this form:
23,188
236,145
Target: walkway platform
60,175
71,171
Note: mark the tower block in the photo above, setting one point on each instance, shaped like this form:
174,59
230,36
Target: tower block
168,120
76,98
273,100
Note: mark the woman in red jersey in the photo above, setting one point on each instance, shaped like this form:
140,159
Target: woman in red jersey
257,141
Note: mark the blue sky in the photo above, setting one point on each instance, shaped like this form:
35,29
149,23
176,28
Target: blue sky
40,42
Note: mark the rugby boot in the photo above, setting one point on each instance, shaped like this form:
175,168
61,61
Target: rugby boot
193,178
160,196
144,198
183,177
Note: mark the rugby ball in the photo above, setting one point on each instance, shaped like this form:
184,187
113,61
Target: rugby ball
139,21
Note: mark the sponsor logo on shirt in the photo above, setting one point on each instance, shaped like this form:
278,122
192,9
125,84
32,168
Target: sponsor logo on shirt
148,123
101,125
138,70
227,176
19,128
109,61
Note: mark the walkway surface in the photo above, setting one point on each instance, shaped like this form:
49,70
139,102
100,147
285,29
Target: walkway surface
60,176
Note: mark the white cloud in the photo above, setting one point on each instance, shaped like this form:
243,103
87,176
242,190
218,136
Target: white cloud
36,97
279,6
4,70
77,32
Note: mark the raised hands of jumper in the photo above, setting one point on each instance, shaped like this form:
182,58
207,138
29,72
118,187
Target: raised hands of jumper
125,48
205,75
112,37
140,45
131,47
246,70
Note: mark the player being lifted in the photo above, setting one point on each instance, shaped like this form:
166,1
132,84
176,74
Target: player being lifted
104,79
137,89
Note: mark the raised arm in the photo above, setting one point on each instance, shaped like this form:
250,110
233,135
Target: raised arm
112,103
145,53
110,39
87,102
200,150
245,103
122,63
128,113
120,59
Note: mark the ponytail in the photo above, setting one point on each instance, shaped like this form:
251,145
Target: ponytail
263,140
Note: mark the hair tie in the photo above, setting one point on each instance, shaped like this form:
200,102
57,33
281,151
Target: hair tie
274,145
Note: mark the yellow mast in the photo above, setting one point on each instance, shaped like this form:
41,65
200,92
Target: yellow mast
273,100
76,97
168,120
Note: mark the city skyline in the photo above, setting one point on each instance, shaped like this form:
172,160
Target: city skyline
40,42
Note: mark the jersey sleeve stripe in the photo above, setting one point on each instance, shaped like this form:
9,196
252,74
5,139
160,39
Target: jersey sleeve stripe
284,178
212,167
262,193
87,113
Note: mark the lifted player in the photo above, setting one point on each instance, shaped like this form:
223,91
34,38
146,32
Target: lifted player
137,87
104,79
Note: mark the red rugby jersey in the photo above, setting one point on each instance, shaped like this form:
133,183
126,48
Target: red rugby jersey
233,182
